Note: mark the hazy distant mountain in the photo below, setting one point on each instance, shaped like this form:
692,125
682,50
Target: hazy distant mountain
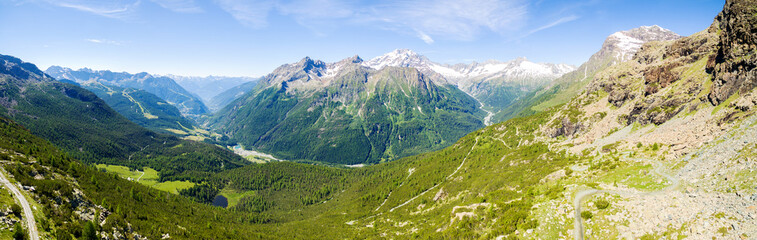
141,107
495,84
224,98
209,87
348,113
163,87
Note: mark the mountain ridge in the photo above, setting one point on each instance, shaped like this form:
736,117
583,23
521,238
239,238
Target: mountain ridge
163,87
82,124
375,110
567,86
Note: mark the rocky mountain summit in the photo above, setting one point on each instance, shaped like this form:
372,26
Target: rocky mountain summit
624,44
519,69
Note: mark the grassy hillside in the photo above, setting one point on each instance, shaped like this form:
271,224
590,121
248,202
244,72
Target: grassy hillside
499,166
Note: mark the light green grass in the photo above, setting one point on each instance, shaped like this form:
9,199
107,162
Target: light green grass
258,159
122,171
150,178
631,176
602,227
725,103
173,186
233,196
561,97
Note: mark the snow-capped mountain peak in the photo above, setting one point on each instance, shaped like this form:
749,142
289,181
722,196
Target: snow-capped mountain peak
398,58
519,68
516,68
626,43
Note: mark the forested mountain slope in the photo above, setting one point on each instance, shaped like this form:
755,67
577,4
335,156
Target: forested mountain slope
79,122
142,107
349,114
74,201
495,84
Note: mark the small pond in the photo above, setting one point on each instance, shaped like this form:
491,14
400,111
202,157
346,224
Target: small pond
220,201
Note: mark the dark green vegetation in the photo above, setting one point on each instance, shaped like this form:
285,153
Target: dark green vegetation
141,107
493,169
163,87
79,122
361,116
291,200
128,208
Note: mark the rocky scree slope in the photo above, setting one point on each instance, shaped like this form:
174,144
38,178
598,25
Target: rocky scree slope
686,104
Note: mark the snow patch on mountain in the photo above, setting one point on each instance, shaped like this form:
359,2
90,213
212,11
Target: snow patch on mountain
398,58
625,44
519,68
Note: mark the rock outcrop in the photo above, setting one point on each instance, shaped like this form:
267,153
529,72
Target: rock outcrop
733,67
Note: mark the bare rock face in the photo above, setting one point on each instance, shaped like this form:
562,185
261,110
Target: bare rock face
746,102
733,67
659,77
567,128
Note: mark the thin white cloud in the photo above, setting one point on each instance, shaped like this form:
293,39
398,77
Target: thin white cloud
425,37
555,23
180,6
252,13
111,9
103,41
457,19
454,19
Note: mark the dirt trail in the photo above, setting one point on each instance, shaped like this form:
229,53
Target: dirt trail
28,215
582,195
447,178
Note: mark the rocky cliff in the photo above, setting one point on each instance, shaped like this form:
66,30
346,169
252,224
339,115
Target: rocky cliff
733,67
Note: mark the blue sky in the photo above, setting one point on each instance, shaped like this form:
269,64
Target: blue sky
252,37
